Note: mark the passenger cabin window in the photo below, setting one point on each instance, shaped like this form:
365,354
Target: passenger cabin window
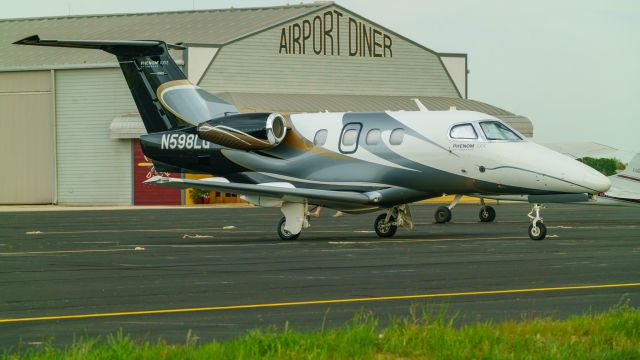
349,138
320,138
396,137
495,130
373,137
463,131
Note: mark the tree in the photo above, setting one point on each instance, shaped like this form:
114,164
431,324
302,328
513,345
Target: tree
607,166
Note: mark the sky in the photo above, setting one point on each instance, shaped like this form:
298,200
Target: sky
571,66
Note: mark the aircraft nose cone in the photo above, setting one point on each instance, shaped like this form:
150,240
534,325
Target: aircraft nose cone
593,179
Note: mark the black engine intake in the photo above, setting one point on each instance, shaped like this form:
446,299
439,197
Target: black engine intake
253,131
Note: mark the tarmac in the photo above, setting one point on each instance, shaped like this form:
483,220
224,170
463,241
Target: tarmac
220,271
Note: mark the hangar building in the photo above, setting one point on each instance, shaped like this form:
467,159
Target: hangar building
69,127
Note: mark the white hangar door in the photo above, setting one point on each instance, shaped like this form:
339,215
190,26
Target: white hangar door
26,138
93,168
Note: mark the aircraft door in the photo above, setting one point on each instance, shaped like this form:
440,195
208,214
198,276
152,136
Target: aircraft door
349,138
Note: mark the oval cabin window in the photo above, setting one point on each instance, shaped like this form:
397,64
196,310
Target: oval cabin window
396,137
349,138
320,138
373,137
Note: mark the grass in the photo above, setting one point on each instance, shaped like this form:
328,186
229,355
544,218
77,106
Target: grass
614,334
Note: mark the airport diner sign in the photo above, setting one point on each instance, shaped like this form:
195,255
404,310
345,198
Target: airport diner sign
324,34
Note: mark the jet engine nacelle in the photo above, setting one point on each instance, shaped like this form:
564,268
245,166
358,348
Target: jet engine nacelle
253,131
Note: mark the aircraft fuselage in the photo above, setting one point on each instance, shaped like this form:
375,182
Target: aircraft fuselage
413,150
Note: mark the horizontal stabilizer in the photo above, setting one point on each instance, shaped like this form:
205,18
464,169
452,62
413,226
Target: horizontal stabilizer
156,82
94,44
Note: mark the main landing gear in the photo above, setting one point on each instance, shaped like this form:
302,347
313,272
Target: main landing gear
537,229
487,213
296,218
443,214
284,233
387,224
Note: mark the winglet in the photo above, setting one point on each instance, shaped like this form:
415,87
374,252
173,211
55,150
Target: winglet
420,105
29,40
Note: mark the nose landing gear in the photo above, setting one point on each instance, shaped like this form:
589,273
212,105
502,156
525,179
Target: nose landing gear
537,229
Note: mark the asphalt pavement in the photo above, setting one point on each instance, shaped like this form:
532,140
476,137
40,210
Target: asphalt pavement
222,271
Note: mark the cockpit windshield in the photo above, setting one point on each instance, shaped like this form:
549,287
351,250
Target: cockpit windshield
464,132
495,130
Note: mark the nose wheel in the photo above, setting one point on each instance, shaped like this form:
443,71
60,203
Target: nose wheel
537,230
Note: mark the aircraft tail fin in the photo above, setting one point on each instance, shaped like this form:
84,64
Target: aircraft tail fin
633,168
164,97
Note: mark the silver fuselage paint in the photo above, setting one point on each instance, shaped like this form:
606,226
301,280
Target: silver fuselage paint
427,161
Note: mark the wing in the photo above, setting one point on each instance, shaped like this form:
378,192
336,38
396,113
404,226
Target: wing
623,194
580,149
328,198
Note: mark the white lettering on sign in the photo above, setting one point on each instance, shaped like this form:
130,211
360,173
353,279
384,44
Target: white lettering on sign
183,142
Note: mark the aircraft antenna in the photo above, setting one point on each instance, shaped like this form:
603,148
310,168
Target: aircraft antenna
421,106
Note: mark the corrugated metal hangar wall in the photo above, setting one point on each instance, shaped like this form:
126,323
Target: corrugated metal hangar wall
26,138
92,167
81,121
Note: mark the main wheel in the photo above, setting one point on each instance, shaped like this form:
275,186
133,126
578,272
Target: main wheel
539,232
284,234
487,214
383,228
442,215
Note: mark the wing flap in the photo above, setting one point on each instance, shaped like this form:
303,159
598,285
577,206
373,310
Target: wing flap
313,196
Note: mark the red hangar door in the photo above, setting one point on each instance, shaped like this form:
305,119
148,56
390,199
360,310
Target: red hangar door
149,194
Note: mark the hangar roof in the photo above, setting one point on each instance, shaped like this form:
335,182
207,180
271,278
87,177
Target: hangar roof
214,27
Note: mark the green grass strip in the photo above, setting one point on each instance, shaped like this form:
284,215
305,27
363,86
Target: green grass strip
614,334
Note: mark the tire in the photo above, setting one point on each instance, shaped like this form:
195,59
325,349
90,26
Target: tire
442,215
284,234
540,233
487,214
382,229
